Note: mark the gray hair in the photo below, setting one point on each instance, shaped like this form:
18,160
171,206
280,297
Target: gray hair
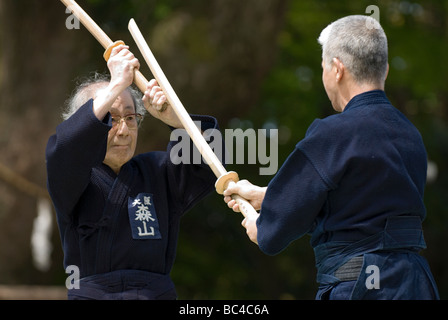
86,90
360,43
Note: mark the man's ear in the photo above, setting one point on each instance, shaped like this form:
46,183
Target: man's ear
339,69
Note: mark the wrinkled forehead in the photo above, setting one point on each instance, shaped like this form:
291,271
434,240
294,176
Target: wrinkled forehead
124,104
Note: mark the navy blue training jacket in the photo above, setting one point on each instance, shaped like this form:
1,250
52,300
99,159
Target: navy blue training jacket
130,221
350,173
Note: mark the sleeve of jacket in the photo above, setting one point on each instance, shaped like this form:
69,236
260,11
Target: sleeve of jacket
190,177
79,144
293,200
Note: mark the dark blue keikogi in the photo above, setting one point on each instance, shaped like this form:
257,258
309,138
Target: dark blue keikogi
355,182
120,231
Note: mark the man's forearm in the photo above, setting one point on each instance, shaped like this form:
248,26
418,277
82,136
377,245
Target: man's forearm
104,99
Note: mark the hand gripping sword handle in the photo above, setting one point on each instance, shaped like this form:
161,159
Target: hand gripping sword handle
139,79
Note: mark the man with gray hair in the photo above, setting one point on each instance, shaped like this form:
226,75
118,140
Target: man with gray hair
119,214
355,182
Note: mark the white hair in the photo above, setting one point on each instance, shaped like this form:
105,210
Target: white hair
87,89
360,43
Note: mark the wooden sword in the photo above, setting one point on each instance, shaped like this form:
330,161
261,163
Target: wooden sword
225,178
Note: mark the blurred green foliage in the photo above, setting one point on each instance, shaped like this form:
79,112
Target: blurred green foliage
252,64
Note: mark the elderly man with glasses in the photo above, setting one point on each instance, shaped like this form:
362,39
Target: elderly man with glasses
118,214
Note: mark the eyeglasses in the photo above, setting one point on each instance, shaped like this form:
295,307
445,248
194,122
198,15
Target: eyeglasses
132,120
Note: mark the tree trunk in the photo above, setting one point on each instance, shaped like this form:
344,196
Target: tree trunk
38,58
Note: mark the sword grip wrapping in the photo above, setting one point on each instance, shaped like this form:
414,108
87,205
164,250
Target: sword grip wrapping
246,208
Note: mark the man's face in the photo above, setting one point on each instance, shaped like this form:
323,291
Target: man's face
122,140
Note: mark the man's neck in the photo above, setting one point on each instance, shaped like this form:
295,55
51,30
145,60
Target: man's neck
354,89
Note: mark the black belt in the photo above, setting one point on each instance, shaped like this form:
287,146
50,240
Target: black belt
350,270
